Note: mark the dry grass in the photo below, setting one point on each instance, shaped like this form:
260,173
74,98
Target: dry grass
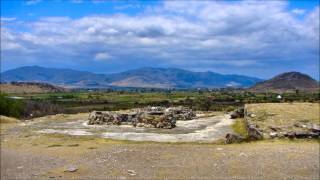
239,127
6,120
283,114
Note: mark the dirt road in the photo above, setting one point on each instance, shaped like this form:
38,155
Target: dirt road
164,161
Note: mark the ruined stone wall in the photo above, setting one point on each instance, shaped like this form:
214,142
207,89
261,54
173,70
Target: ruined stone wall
153,117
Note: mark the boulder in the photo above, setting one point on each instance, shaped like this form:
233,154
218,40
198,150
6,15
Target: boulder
233,138
302,135
238,113
273,134
254,133
315,128
290,135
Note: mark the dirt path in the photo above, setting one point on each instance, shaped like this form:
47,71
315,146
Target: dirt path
271,160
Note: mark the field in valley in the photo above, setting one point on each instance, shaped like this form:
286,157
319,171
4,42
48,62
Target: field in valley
62,146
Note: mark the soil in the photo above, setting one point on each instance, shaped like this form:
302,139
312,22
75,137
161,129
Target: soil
26,154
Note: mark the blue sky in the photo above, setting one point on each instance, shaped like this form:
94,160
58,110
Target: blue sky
255,38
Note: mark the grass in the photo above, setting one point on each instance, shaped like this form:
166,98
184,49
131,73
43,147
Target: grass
239,127
7,120
283,115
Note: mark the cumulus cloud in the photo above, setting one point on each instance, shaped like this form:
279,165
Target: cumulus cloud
185,34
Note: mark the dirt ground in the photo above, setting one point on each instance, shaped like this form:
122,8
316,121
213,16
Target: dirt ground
28,155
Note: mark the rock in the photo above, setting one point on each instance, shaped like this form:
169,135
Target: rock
273,134
239,113
233,138
148,117
315,128
132,172
71,169
274,128
243,154
306,135
314,135
254,133
301,134
298,125
290,135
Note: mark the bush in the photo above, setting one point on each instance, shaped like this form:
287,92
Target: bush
10,107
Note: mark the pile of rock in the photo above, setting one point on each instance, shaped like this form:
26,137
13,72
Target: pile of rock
166,121
157,117
254,133
301,131
107,117
233,138
181,113
238,113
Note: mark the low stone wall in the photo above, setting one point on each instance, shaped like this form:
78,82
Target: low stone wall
154,117
269,130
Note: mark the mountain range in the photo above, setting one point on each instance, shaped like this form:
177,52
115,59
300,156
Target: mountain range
146,77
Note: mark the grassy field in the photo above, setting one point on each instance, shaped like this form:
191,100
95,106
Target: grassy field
40,104
283,115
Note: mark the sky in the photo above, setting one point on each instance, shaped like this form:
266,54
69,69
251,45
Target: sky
254,38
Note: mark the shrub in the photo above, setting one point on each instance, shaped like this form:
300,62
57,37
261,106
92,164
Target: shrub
10,107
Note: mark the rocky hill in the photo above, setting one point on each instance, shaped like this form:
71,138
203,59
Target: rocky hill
289,81
143,77
30,87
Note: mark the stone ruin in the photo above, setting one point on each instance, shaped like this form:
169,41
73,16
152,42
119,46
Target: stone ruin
151,117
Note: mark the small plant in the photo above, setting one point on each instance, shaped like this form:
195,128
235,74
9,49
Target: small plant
240,128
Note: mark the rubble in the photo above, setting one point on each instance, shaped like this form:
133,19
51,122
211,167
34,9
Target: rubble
149,117
254,133
233,138
238,113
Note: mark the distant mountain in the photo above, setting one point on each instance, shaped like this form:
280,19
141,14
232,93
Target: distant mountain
178,78
52,75
143,77
289,81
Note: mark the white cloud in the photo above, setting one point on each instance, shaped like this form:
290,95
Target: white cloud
102,56
180,33
298,11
